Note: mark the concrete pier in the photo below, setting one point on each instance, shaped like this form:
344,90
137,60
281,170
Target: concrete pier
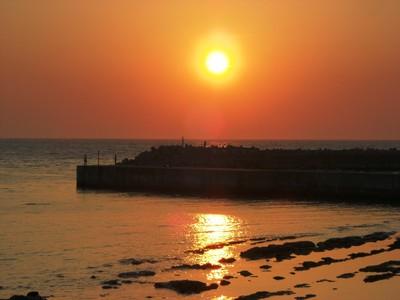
238,182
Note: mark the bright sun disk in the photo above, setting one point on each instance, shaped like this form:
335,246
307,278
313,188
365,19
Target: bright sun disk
217,62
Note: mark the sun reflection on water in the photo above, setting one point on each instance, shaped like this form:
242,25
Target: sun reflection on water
215,229
222,297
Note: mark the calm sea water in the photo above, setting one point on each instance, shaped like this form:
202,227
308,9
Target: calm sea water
53,237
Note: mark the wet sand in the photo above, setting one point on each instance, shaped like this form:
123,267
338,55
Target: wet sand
281,280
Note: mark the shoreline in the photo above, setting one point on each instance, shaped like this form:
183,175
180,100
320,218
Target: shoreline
290,267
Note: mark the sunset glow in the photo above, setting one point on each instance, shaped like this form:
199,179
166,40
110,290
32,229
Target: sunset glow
262,69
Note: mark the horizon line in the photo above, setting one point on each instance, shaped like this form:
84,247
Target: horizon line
200,139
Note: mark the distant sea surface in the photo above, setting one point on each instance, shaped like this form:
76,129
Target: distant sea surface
53,237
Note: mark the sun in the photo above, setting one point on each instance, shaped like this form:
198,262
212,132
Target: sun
217,62
217,58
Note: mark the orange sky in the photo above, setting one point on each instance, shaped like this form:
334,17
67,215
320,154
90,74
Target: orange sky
124,69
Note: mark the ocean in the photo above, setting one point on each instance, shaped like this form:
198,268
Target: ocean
55,238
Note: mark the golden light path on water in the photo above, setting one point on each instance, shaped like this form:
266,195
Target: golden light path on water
214,229
222,297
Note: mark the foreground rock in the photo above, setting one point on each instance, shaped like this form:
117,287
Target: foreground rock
387,269
325,280
378,277
346,275
216,246
308,296
265,267
136,261
107,287
364,254
224,282
351,241
206,266
136,274
29,296
111,282
186,287
245,273
265,294
306,265
287,250
228,260
279,251
395,245
392,266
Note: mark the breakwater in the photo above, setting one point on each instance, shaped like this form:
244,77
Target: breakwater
237,182
277,159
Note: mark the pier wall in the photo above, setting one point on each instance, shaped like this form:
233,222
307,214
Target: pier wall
211,181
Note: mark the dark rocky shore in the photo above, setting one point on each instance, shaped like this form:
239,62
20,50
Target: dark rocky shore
281,251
